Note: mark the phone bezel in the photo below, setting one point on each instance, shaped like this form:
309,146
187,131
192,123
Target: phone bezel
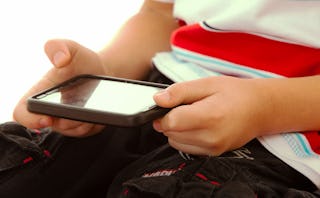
95,116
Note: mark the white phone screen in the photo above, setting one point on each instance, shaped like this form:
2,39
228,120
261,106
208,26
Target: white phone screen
104,95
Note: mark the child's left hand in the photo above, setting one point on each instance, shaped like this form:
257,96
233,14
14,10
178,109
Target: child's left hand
214,115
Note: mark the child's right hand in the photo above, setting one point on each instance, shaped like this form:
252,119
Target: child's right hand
69,59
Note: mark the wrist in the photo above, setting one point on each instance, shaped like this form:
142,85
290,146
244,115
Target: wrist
290,104
263,107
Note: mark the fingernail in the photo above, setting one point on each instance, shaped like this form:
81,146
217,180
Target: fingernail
163,94
59,58
157,126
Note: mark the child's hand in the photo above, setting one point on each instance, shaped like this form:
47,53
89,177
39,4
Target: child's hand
69,59
217,114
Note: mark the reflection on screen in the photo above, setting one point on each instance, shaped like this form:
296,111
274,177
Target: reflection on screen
104,95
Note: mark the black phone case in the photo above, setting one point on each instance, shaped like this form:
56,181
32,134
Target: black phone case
95,116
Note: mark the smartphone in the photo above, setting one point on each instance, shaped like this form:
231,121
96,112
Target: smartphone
101,100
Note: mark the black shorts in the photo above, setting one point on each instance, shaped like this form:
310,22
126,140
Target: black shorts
250,171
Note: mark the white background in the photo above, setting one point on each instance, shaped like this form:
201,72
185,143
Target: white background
26,25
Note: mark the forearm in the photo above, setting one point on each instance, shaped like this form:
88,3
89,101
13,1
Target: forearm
291,104
130,52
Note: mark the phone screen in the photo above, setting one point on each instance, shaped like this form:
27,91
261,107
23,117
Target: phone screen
103,95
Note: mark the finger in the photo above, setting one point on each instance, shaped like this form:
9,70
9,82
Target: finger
75,128
79,59
62,52
191,149
28,119
184,93
21,113
194,137
190,117
195,149
58,52
181,118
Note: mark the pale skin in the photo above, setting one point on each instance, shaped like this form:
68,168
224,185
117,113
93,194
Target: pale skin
209,116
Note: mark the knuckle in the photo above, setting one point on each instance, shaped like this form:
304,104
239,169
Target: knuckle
83,130
216,152
177,90
173,144
216,145
171,122
211,142
218,149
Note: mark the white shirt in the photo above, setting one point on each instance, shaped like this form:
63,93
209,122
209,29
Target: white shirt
296,21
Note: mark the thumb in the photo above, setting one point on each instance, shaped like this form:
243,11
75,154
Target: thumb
79,59
183,93
58,51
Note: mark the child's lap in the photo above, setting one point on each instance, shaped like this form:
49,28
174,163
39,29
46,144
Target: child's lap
247,172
